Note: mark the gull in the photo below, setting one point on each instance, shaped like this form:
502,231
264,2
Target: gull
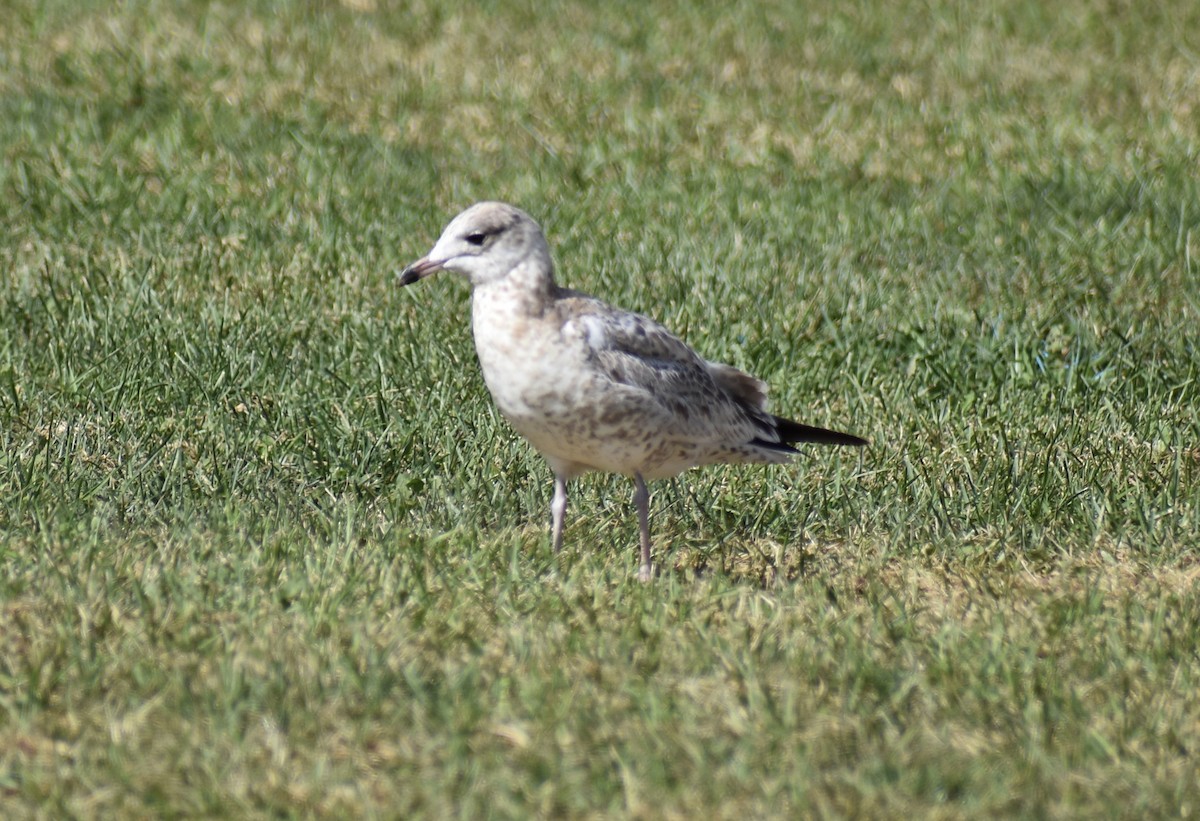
593,387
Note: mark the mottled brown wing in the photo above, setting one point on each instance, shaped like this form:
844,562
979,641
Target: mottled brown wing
709,402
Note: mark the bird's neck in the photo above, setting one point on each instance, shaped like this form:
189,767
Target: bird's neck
527,290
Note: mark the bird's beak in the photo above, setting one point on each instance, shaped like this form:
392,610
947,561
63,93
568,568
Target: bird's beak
419,270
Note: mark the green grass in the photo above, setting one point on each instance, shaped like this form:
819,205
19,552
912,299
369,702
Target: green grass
267,549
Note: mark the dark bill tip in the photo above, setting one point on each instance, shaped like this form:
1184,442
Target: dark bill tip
418,270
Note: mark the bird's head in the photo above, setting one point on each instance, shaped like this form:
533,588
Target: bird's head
485,243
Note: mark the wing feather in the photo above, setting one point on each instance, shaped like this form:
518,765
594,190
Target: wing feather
710,402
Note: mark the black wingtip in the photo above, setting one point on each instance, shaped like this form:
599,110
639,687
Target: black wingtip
790,432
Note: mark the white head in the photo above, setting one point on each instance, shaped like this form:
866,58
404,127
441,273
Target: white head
486,243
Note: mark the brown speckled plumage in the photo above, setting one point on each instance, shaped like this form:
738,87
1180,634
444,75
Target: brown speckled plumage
593,387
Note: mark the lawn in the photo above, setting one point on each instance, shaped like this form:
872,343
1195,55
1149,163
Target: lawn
268,550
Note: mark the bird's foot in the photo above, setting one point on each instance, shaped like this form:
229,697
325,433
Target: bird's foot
645,573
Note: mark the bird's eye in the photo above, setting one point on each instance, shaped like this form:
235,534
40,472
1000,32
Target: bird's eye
476,238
